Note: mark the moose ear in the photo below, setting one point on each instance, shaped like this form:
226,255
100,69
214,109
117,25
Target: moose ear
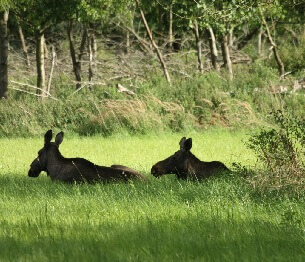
59,138
188,144
181,143
48,137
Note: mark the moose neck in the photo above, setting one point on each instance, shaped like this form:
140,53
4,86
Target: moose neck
193,164
54,162
193,160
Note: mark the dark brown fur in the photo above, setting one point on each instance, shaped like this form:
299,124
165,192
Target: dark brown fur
126,168
187,166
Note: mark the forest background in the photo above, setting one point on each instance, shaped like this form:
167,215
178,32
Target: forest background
107,66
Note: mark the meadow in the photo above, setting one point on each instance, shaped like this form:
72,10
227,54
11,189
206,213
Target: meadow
220,219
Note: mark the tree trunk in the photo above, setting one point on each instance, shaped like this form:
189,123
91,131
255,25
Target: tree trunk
46,51
199,47
277,57
170,32
213,48
130,30
160,21
23,45
230,39
127,42
93,46
3,54
226,56
90,56
76,64
259,41
82,45
40,65
163,65
52,68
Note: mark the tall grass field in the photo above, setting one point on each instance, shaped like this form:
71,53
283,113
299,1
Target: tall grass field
220,219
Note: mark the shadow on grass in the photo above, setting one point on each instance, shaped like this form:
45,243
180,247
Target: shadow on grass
147,239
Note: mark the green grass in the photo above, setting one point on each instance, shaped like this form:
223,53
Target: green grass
162,220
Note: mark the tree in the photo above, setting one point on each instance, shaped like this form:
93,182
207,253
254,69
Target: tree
38,16
3,54
213,48
281,11
217,18
23,44
4,13
198,38
76,61
156,48
274,47
89,13
224,16
170,30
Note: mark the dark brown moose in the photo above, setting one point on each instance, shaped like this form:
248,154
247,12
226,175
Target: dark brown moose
185,165
72,170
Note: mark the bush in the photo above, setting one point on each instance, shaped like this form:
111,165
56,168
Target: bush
281,153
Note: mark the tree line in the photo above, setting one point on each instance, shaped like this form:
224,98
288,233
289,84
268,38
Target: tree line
158,26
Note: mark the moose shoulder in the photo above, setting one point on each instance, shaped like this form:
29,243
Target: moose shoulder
75,169
187,166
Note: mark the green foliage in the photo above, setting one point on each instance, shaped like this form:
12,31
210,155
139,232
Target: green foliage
281,147
5,4
293,56
220,15
37,15
98,11
281,151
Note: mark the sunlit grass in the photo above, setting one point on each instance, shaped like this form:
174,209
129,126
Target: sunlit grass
162,220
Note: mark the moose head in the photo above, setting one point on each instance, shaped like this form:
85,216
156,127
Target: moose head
178,163
40,162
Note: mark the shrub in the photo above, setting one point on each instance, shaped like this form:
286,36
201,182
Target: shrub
281,152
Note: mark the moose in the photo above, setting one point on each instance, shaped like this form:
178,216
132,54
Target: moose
74,170
187,166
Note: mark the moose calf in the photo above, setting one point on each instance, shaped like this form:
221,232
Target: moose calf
187,166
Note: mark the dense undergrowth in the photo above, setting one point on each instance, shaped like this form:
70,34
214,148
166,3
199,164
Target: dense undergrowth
191,103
